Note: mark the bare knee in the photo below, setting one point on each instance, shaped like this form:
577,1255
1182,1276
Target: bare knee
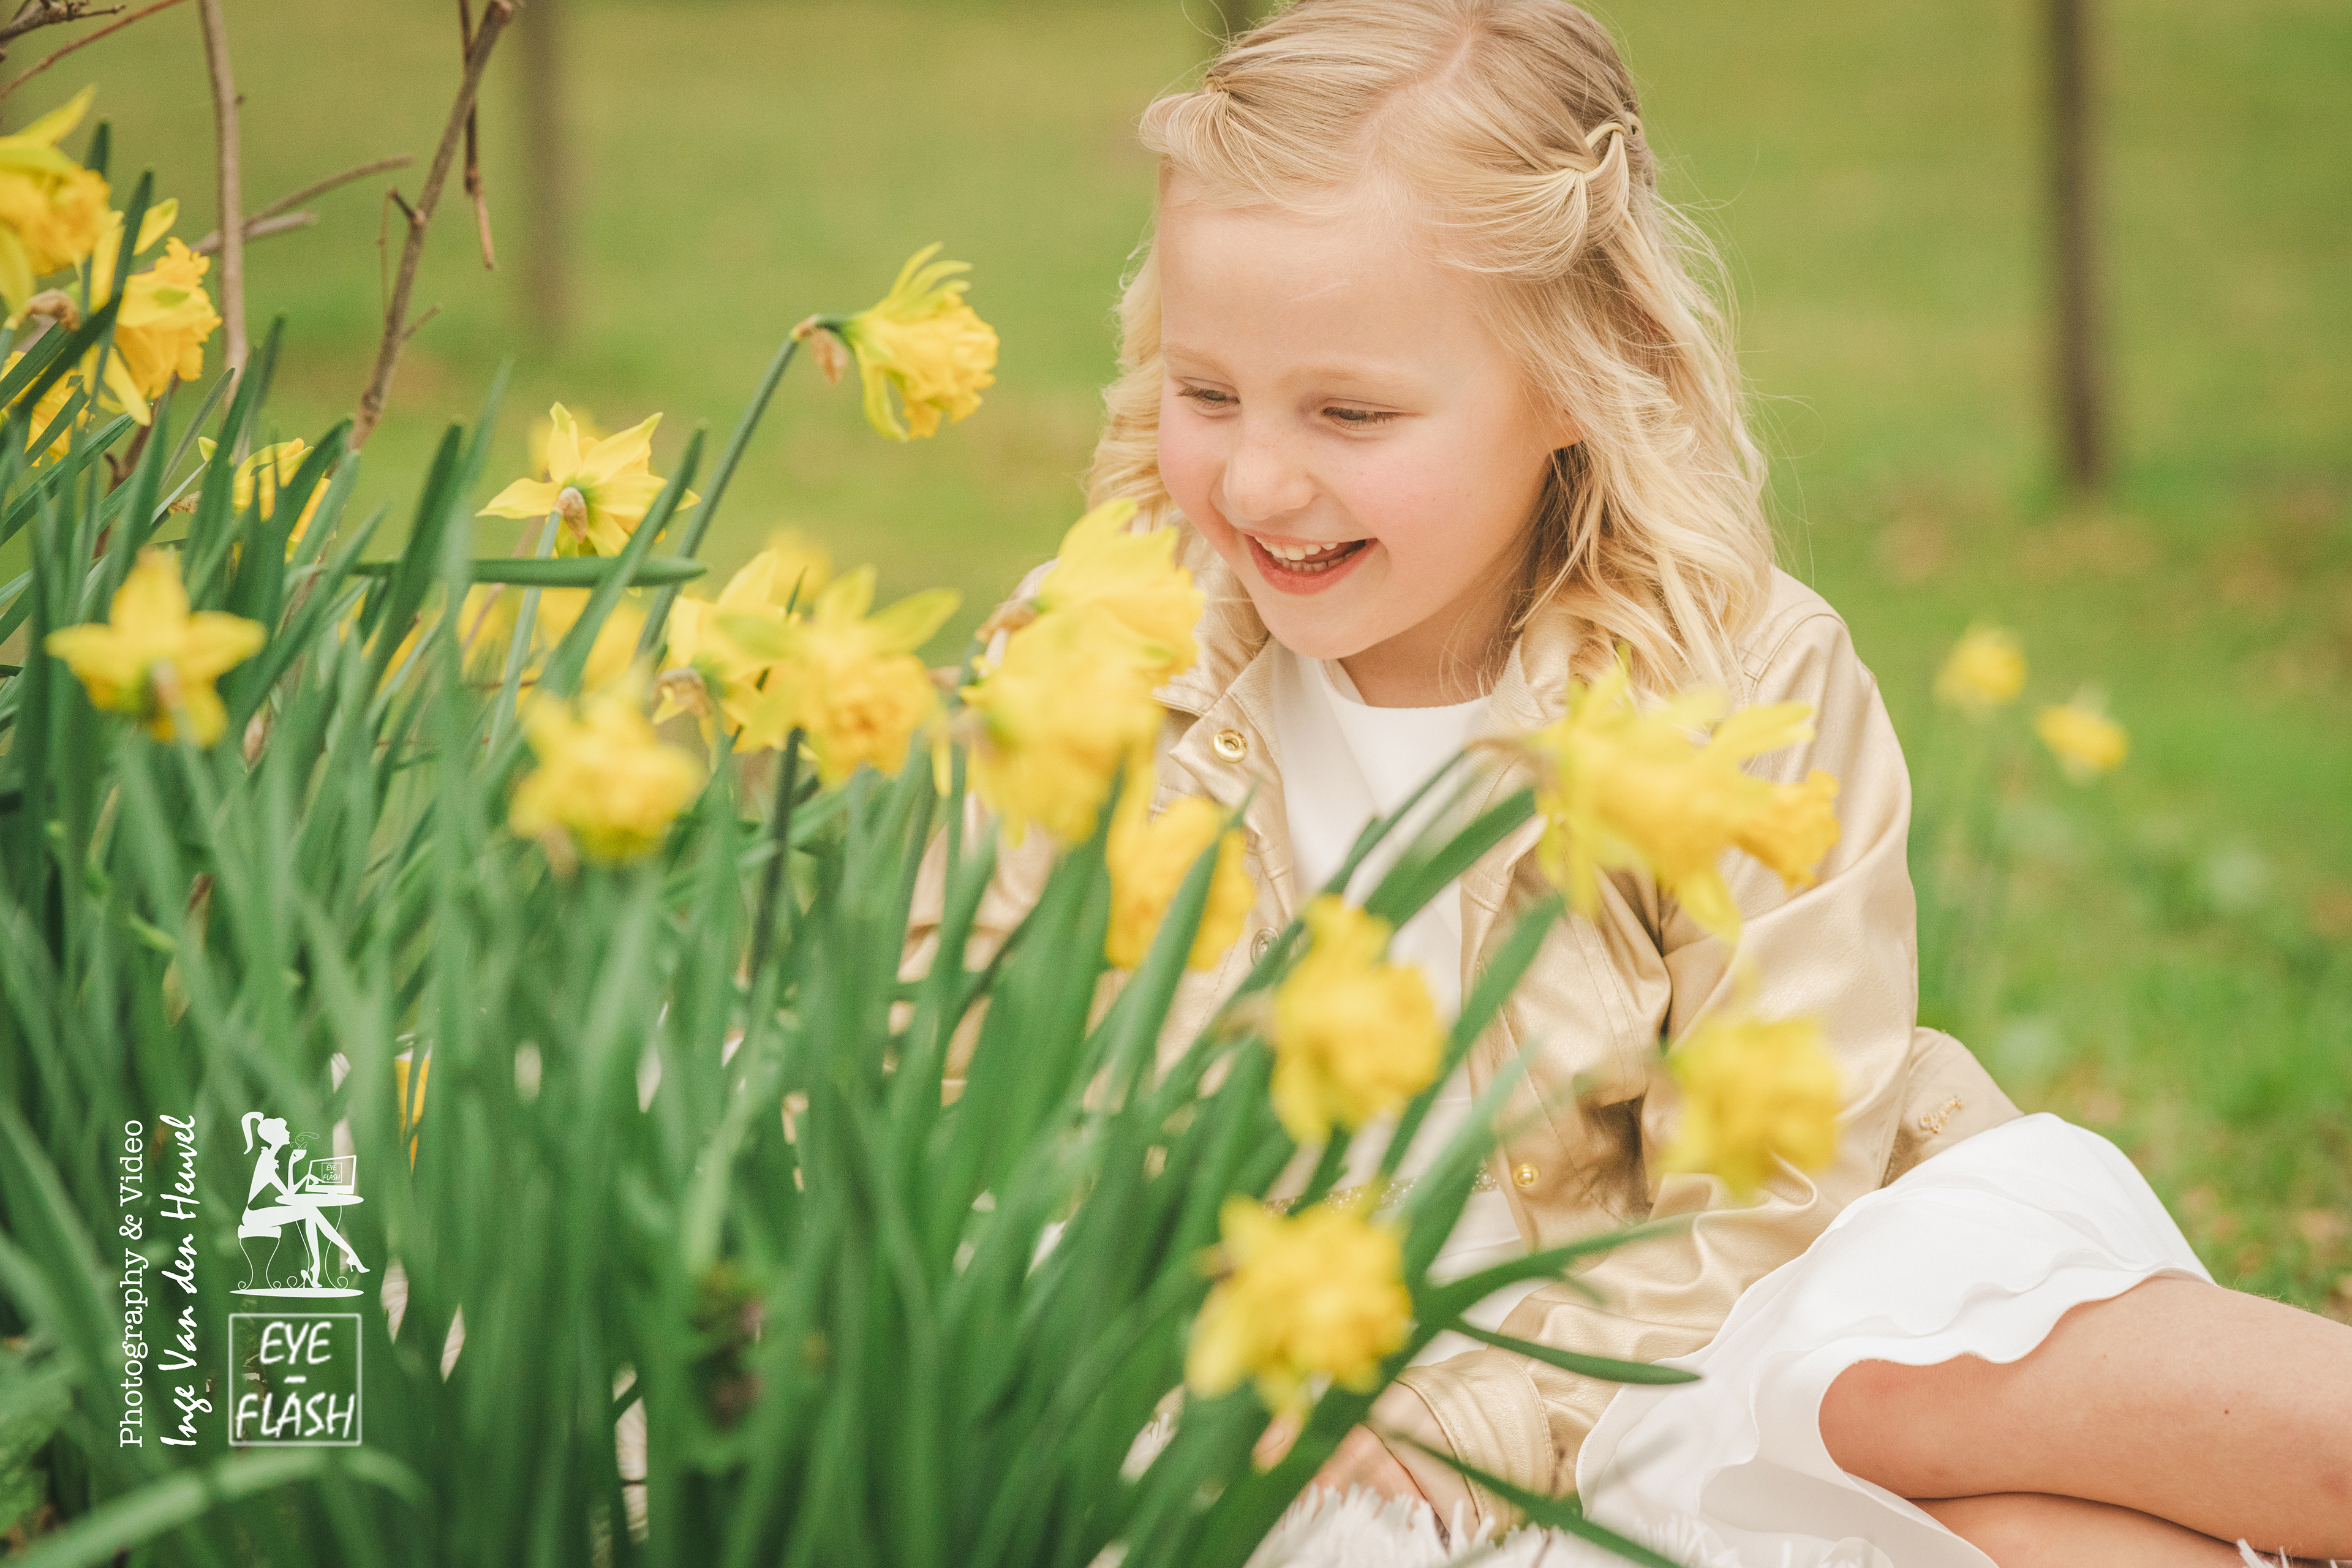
1878,1422
2030,1529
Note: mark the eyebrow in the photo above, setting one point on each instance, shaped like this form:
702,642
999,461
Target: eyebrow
1323,370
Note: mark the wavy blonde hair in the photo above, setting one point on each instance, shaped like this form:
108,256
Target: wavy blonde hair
1510,130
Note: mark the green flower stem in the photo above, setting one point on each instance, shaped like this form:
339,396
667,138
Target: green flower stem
519,646
779,833
657,612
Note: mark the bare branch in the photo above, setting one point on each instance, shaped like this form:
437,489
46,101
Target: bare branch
495,18
474,190
31,71
232,194
257,228
50,14
333,181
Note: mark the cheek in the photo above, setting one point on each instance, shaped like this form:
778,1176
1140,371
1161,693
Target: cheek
1420,497
1190,458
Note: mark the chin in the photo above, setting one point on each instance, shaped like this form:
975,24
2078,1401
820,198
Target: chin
1308,636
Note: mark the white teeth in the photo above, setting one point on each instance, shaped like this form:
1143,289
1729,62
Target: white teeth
1309,557
1302,552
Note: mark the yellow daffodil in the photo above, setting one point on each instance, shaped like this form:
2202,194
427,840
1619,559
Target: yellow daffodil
785,577
1620,788
166,316
604,779
1985,670
586,430
608,657
922,340
52,210
1150,858
152,659
266,472
849,682
1070,701
1319,1296
615,478
1354,1037
2085,741
1753,1093
1133,575
45,412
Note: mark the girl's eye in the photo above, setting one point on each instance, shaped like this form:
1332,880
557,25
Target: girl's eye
1207,396
1358,417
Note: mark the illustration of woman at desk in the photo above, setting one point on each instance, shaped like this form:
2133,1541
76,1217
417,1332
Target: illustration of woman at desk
331,1183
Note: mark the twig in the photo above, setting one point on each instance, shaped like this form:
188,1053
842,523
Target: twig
257,228
417,325
49,14
232,196
333,181
474,192
29,72
395,314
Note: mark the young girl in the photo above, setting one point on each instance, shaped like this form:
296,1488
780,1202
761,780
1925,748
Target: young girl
1415,363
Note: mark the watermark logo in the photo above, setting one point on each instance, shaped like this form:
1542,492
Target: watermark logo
294,1379
315,1260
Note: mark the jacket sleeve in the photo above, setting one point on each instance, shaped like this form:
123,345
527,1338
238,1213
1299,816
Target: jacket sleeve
1841,950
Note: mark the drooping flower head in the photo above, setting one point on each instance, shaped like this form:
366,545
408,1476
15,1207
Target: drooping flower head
615,479
152,658
848,682
166,316
604,779
1319,1296
1985,670
1354,1037
922,341
780,580
1133,575
1149,857
1754,1093
1622,788
1055,720
52,210
2085,741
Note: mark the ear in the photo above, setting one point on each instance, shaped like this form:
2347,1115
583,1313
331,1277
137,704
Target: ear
1562,430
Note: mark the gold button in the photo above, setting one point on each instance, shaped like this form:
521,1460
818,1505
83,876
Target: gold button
1526,1175
1230,744
1260,945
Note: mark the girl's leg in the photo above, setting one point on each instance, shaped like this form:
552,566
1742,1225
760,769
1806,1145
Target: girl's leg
2227,1414
2032,1530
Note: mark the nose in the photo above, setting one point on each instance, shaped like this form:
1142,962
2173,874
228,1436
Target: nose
1264,480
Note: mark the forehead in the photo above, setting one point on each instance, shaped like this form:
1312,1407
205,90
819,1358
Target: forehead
1348,282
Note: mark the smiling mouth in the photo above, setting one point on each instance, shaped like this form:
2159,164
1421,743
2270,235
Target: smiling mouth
1307,560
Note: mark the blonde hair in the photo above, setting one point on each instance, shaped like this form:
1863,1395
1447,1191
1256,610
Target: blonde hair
1512,129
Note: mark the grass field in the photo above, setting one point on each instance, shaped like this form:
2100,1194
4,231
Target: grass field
2170,964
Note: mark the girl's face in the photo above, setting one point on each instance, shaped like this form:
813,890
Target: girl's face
1343,429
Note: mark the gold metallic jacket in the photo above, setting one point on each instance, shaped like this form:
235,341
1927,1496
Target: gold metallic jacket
1591,1112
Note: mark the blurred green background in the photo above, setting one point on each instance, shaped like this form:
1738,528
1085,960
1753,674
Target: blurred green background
2168,959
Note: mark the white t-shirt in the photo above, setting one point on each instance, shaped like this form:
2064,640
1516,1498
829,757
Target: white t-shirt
1345,763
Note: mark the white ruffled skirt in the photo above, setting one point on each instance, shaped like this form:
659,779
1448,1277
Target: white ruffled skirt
1977,1251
